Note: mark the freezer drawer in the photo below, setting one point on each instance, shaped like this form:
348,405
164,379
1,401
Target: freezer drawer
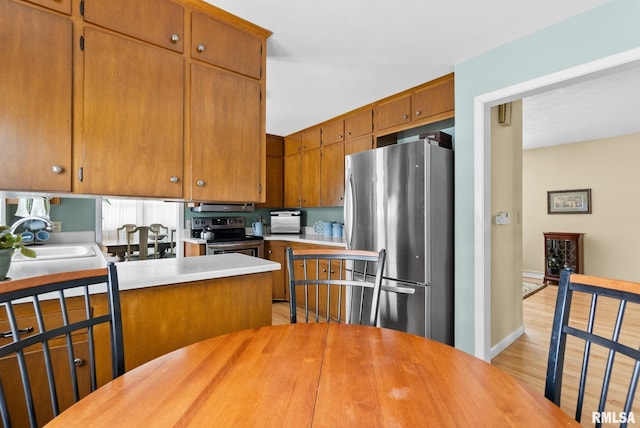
404,307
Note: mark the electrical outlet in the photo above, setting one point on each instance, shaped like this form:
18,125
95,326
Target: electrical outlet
57,226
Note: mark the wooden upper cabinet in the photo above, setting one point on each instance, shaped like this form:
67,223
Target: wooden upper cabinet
434,100
35,99
293,180
133,121
360,144
333,132
311,177
159,22
223,45
275,173
393,113
332,175
63,6
311,139
292,144
359,124
226,136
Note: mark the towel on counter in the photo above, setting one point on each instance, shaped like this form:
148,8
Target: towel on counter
40,208
23,208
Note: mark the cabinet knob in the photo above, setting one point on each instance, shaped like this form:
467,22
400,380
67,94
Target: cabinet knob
418,113
56,169
405,116
200,183
78,362
175,38
200,48
348,133
340,137
174,179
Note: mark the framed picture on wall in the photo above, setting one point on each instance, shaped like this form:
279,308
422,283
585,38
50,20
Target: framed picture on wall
569,201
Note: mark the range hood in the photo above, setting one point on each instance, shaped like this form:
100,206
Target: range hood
225,208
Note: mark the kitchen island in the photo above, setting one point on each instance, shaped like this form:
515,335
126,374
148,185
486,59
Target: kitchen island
170,303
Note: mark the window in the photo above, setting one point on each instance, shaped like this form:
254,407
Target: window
116,212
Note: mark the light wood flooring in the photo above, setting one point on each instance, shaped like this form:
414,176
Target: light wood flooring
526,358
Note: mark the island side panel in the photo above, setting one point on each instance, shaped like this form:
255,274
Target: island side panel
158,320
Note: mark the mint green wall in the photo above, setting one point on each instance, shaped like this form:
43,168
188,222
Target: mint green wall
76,214
603,31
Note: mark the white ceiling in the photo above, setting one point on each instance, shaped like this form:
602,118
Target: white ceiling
327,57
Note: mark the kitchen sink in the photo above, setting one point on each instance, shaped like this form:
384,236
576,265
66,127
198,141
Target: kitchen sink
52,252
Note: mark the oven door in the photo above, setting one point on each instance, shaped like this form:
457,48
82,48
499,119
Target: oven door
253,248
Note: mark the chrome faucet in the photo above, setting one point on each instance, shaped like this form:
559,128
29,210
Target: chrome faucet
15,225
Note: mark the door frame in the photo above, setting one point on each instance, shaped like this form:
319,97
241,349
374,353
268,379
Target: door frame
482,173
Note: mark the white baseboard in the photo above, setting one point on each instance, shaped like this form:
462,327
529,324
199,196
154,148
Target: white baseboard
536,275
504,343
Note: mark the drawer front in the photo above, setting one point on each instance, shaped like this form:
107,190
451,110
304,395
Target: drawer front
219,44
155,21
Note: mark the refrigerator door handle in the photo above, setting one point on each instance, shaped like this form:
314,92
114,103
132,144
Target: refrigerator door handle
349,203
399,290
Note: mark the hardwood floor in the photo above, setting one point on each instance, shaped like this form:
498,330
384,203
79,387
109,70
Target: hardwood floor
526,358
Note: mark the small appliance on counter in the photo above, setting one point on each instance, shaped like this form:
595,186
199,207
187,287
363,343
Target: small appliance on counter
286,221
226,235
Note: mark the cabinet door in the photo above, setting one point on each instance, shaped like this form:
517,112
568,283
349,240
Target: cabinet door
292,144
358,145
359,124
333,132
221,44
310,139
293,180
159,22
35,99
226,140
275,173
63,6
433,100
133,120
311,178
394,113
332,175
274,251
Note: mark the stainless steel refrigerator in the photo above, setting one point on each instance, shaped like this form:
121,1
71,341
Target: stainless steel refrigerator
400,198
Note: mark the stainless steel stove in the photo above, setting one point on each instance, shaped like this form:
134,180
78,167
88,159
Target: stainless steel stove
226,235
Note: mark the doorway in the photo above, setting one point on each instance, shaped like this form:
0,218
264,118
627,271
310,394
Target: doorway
482,176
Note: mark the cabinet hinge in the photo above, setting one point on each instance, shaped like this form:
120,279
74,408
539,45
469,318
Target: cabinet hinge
80,174
81,43
82,8
260,188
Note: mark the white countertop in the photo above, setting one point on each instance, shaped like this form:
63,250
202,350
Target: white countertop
149,273
153,272
309,238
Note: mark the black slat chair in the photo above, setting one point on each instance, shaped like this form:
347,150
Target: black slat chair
61,339
604,359
330,280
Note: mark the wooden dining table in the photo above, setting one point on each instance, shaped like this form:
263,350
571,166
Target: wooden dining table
321,375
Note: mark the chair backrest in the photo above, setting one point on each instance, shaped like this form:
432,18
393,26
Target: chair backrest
340,285
123,231
61,339
594,339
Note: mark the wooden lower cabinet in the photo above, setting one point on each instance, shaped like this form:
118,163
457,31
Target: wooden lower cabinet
275,251
10,374
156,320
284,277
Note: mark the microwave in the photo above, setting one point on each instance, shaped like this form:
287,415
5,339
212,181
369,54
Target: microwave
286,221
